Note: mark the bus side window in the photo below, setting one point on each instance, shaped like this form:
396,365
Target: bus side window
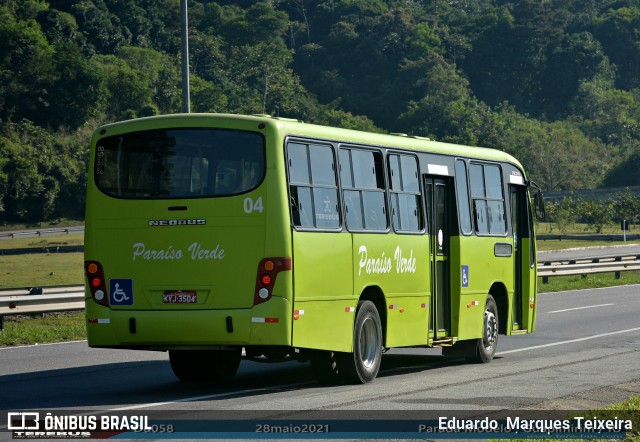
406,208
462,189
301,206
488,199
352,203
313,186
364,189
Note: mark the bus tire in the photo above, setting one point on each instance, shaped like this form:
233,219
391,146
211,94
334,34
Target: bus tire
205,365
363,364
324,366
485,347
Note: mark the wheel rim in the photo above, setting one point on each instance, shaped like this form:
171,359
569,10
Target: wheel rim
490,329
368,343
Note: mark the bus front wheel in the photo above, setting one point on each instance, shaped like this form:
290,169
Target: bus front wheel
485,347
363,364
205,365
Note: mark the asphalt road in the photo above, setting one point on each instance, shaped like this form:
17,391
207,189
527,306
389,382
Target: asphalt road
587,341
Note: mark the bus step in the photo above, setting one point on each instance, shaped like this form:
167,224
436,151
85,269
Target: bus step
445,342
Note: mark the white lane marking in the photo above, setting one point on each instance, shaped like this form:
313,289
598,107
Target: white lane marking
571,341
40,345
580,308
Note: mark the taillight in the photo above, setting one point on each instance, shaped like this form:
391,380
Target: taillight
97,285
268,270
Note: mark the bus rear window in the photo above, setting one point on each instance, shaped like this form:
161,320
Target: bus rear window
179,163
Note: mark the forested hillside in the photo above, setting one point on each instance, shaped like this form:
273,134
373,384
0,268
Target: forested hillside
554,82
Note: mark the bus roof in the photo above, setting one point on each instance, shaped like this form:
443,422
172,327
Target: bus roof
292,127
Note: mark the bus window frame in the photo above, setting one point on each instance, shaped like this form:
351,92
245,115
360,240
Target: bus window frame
310,142
423,215
471,162
465,161
385,189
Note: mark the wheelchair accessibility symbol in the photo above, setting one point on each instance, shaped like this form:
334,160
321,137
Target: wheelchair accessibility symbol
121,291
465,276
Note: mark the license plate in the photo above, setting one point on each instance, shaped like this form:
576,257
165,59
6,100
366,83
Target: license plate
179,297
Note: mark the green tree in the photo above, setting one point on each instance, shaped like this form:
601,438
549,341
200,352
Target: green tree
139,82
563,213
262,80
26,67
31,188
610,114
259,23
625,173
578,57
159,73
617,30
558,156
77,92
597,214
61,28
339,118
206,96
446,99
103,29
627,207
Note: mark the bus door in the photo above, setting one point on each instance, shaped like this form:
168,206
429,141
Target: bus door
437,204
519,224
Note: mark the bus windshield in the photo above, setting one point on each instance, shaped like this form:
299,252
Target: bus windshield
180,163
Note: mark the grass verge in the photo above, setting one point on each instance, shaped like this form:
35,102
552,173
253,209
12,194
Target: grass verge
633,404
41,269
589,281
40,329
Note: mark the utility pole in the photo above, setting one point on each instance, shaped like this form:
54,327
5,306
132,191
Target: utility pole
186,100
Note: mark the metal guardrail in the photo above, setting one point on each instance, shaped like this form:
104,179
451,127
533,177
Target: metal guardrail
71,297
42,232
44,290
600,264
32,300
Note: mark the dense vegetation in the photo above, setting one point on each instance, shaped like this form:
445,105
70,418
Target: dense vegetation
595,213
554,82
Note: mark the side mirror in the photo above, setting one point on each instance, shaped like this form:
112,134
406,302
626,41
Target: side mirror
538,202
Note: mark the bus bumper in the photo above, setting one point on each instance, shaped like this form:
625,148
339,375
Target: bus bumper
264,324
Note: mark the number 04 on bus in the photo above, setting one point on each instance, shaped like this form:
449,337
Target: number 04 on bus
221,237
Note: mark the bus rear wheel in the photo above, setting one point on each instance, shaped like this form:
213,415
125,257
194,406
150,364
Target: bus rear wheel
363,364
205,365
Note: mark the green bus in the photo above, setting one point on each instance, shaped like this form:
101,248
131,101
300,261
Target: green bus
219,237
